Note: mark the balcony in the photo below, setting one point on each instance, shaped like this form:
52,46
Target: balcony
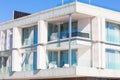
61,40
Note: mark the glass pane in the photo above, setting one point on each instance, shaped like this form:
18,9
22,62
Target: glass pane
35,35
53,58
74,61
63,58
11,38
74,27
5,61
27,63
49,31
0,62
52,32
35,61
112,59
113,32
65,29
49,56
27,58
28,36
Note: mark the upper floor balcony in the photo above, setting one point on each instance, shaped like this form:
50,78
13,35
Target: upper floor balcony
58,31
58,28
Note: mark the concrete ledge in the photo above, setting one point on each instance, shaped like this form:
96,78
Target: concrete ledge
94,72
63,73
41,74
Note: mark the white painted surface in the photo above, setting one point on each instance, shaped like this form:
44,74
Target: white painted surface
98,17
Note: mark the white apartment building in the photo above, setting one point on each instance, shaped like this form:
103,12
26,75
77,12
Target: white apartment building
75,41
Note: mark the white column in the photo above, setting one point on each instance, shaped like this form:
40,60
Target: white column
8,39
103,38
16,54
41,49
96,47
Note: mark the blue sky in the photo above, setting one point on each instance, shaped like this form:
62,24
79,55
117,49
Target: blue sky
31,6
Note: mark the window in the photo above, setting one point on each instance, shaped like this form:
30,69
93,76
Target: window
112,59
113,32
61,60
64,29
3,40
29,36
64,58
29,61
53,57
4,64
6,39
52,32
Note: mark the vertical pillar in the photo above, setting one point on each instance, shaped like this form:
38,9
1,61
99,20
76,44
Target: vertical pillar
41,48
96,47
70,51
16,55
103,38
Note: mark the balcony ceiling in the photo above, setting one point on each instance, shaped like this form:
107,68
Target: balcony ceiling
62,19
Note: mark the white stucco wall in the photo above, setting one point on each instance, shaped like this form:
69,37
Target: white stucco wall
84,25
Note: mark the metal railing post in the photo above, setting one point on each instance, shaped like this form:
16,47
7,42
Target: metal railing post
70,28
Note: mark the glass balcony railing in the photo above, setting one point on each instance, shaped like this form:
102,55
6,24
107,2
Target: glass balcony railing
5,69
74,34
63,35
27,67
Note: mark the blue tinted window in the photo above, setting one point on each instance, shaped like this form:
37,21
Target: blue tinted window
113,32
112,59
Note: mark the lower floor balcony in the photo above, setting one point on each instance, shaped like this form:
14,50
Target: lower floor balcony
62,73
57,62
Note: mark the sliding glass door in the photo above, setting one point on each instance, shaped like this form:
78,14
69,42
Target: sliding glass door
64,29
53,57
56,59
64,60
52,32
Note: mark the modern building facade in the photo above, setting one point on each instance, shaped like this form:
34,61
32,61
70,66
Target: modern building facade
75,41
